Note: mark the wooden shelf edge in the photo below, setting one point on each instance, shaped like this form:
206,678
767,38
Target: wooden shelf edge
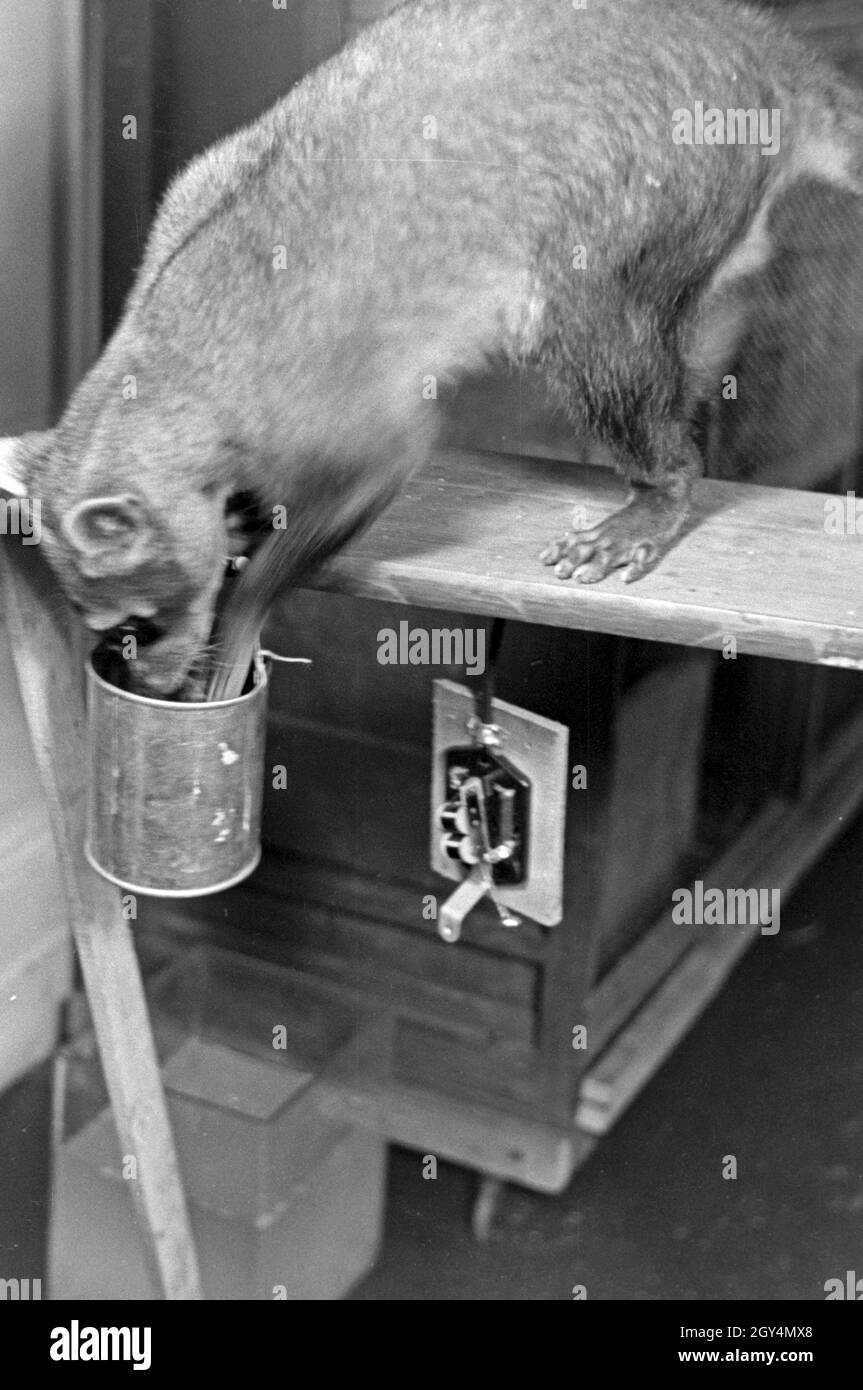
757,564
528,1152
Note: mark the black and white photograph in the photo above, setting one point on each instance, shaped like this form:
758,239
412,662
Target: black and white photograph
431,666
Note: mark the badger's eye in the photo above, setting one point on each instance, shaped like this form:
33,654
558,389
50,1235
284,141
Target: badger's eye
102,622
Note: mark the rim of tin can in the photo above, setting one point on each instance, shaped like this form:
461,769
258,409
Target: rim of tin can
261,681
204,892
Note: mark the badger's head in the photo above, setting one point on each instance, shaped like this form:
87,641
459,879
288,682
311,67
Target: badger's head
133,525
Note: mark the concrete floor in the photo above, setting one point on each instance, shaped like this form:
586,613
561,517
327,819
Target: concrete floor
772,1074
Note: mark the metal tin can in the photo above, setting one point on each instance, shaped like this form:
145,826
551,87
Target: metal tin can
175,790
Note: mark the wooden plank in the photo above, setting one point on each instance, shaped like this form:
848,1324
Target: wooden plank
327,887
756,563
505,1073
609,1088
519,1150
796,842
48,666
626,985
346,951
650,820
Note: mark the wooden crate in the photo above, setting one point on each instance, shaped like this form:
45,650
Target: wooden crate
485,1071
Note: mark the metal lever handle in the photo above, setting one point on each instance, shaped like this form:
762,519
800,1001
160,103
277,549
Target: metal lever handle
473,788
465,898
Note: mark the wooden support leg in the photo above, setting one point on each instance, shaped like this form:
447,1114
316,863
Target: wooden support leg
489,1195
48,671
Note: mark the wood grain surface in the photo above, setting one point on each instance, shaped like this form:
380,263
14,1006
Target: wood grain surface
755,563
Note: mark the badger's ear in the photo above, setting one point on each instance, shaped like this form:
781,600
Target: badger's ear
24,462
12,482
112,535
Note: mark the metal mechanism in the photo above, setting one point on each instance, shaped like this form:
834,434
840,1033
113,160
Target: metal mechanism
485,824
498,806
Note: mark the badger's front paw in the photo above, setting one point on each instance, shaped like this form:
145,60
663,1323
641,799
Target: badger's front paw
623,541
